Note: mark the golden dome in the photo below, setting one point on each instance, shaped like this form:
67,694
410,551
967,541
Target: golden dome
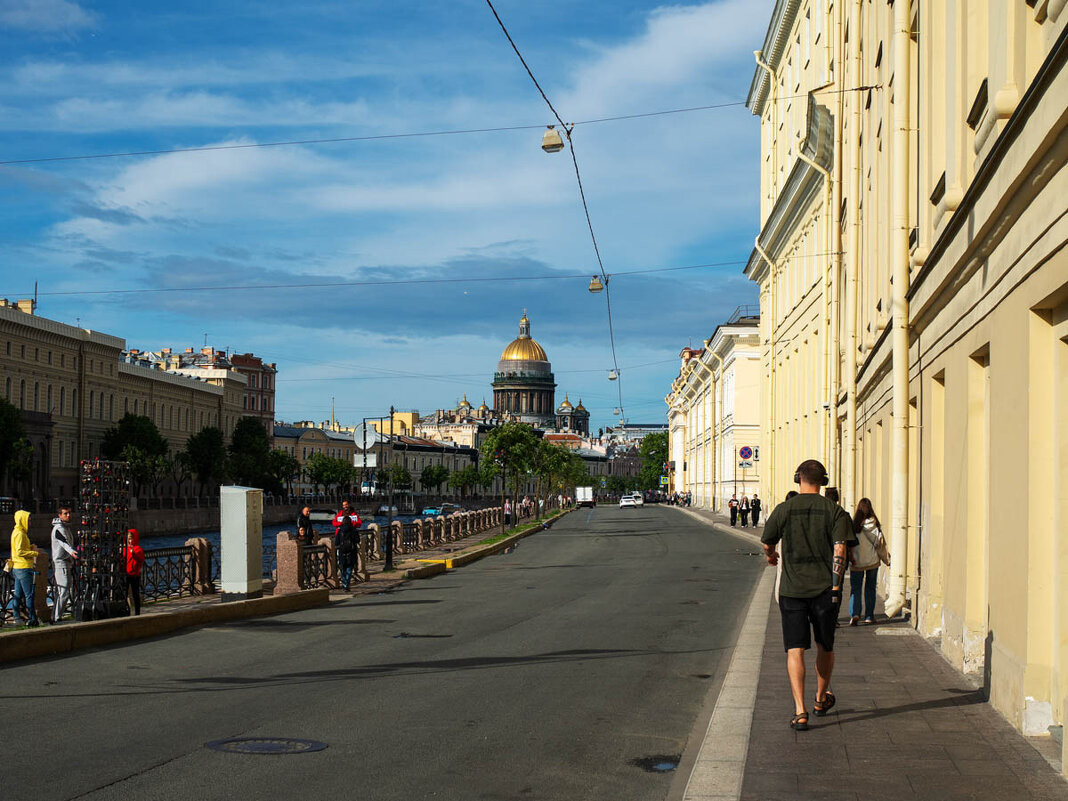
566,404
580,407
464,403
523,348
483,407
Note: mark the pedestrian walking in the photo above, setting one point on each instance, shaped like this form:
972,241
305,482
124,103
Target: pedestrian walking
63,557
305,529
743,510
348,545
732,504
507,512
754,509
23,563
346,512
864,565
134,557
813,532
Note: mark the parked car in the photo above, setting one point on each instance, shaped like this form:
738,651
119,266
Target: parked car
637,496
627,500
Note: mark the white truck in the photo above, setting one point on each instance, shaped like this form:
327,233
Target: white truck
584,497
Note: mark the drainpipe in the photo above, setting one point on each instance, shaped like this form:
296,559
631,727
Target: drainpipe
773,268
899,263
832,215
851,495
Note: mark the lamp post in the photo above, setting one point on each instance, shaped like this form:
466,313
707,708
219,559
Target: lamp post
389,502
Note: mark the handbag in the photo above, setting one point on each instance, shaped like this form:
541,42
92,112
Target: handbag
881,549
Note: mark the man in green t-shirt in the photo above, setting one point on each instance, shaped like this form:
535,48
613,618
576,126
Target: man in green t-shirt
813,531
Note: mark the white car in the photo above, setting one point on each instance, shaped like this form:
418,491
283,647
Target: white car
637,496
627,500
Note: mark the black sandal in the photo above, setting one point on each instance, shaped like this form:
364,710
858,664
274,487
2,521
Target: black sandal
799,722
821,708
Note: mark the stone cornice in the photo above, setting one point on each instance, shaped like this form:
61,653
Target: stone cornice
801,186
782,22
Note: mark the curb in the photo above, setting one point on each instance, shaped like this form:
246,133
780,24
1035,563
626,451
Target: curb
32,643
478,552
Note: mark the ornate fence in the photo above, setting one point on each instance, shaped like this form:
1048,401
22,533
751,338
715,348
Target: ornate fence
168,573
316,566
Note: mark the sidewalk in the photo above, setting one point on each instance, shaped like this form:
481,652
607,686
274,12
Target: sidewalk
906,726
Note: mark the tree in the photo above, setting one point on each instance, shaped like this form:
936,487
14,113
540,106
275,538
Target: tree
13,442
327,471
433,475
146,469
550,463
133,430
207,456
654,454
512,446
281,467
401,478
249,450
616,485
180,467
464,479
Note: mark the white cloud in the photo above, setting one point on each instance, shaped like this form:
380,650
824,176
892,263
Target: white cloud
44,16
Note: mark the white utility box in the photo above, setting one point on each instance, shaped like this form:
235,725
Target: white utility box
241,518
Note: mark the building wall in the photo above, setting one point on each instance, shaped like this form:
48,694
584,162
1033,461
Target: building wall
713,410
77,378
983,543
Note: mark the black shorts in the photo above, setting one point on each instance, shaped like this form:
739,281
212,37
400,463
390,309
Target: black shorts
803,617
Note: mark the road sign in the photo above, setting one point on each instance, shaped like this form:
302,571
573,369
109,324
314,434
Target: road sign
663,481
756,454
745,465
745,453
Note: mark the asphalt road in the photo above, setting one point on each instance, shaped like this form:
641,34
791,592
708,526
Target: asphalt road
544,673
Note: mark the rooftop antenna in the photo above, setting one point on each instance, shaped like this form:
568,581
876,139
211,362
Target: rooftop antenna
35,295
205,339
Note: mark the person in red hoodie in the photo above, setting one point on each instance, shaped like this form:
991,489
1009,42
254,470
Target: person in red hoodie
346,511
134,556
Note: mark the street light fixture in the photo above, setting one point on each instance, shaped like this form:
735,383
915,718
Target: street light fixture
596,285
551,141
613,375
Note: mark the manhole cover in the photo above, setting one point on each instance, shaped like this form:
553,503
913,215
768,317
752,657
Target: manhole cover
265,745
657,763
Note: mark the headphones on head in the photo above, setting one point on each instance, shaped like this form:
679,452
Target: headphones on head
823,481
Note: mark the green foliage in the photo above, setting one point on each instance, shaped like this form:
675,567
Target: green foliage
402,479
654,453
13,443
512,446
327,471
464,479
281,468
617,484
133,430
206,451
249,451
146,469
433,475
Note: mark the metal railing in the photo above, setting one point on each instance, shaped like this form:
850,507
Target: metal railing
168,573
316,566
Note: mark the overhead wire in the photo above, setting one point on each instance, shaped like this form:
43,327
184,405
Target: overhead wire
396,135
585,207
383,282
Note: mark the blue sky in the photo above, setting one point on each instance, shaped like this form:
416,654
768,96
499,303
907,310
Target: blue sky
80,78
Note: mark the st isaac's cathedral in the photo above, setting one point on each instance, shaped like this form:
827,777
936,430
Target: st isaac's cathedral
524,389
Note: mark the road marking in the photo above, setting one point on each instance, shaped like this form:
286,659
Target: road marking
720,766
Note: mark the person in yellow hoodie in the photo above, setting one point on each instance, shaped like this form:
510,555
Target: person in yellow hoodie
23,566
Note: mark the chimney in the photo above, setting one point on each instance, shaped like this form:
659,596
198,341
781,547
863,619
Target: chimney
166,351
188,350
27,305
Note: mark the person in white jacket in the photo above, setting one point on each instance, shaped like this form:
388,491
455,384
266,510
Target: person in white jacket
63,554
864,567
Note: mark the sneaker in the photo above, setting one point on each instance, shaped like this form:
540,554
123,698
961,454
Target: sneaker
868,621
33,624
854,620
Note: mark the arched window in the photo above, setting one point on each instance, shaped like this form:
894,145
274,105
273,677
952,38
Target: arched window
36,397
62,401
7,388
48,400
111,408
74,410
22,393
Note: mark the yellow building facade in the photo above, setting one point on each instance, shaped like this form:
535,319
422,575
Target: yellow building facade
941,288
714,413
